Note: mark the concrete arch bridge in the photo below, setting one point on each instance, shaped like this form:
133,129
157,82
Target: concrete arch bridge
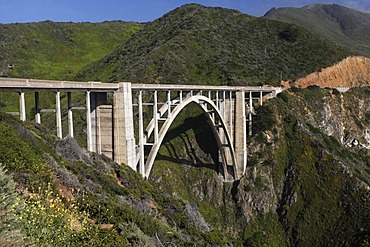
110,127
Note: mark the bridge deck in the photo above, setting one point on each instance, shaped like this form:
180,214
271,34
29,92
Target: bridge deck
12,84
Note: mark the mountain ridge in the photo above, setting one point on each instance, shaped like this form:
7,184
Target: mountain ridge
194,44
343,25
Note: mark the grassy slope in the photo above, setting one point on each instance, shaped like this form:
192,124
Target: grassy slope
199,45
348,27
50,50
93,192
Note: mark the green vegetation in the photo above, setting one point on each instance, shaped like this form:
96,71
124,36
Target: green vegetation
317,207
72,199
345,26
200,45
50,50
54,51
10,206
265,231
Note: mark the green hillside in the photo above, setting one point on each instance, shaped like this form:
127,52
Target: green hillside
301,188
50,50
200,45
345,26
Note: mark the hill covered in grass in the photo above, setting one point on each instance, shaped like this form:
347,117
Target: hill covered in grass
201,45
51,50
343,25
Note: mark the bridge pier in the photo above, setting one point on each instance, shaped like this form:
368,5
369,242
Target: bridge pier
240,130
22,106
97,101
141,135
123,126
88,123
58,113
70,115
37,108
250,107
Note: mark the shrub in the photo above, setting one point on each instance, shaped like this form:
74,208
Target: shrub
10,203
50,220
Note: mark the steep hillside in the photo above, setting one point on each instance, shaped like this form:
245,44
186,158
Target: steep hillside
350,72
302,187
324,181
345,26
200,45
67,197
305,184
50,50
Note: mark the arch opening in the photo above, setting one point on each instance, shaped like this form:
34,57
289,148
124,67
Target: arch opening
217,123
190,140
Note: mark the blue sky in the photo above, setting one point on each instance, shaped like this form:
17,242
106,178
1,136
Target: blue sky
136,10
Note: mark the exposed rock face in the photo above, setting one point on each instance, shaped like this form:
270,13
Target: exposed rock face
256,192
350,72
346,118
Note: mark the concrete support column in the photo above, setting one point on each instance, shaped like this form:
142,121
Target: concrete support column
58,112
261,98
231,115
180,96
70,115
22,107
88,122
217,100
96,101
212,114
250,114
141,136
123,126
37,108
228,112
169,104
224,105
221,131
155,114
240,134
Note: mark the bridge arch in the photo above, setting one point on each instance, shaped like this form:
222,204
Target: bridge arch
212,114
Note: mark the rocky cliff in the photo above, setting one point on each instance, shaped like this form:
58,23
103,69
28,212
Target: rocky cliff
317,148
307,176
350,72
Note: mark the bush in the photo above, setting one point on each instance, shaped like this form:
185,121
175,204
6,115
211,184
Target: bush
264,120
10,203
